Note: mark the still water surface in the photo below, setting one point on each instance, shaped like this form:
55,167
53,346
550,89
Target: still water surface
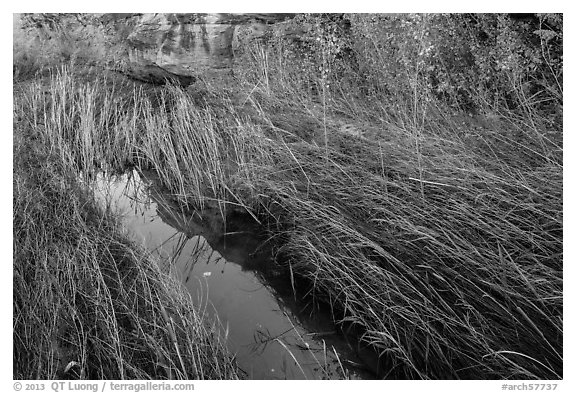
273,334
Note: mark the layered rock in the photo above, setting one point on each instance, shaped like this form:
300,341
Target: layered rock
154,47
181,46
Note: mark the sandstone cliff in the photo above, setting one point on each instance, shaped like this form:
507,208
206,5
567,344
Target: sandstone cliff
149,47
181,46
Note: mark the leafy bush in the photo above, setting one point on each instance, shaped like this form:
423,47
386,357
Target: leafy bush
482,63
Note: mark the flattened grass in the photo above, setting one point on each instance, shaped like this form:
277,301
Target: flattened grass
440,243
88,302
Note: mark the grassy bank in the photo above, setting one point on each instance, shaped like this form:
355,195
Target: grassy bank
434,229
457,275
89,303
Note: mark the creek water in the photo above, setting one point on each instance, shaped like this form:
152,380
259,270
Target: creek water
272,333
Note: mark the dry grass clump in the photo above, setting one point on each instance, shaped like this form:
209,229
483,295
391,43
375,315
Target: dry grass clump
437,233
443,246
439,236
100,124
441,242
88,303
452,280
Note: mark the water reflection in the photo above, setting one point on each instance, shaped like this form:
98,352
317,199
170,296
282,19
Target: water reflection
225,263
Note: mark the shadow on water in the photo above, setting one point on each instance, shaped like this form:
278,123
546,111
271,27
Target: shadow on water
273,333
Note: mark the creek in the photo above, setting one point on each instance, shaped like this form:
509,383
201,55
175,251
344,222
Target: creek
225,266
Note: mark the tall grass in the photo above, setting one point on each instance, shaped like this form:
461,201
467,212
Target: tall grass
443,285
89,303
448,258
440,236
436,235
99,125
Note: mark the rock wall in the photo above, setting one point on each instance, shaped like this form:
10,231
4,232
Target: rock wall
151,47
181,46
